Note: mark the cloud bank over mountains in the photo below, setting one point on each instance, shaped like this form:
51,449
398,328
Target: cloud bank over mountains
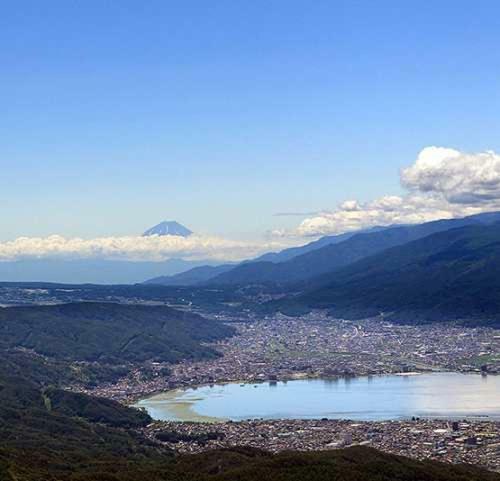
442,183
154,248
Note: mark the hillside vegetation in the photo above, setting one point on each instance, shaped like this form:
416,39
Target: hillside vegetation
449,275
48,435
108,332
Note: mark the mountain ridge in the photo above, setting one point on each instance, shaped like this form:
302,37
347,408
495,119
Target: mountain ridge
202,274
336,256
449,275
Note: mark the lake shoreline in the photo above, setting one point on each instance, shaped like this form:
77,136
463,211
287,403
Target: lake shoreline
181,403
146,393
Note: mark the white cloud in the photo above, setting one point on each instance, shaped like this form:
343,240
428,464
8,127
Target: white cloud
442,183
458,177
153,248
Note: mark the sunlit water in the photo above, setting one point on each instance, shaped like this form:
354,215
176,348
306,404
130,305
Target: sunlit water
447,395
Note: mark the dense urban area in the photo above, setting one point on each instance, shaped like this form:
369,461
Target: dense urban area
314,346
455,442
276,348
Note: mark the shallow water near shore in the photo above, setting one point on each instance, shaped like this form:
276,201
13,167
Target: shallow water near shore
434,395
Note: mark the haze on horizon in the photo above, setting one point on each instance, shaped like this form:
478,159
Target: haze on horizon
258,126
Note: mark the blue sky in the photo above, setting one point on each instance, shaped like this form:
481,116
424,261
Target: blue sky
118,114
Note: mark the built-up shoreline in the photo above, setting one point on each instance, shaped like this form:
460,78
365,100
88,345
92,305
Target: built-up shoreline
468,442
314,346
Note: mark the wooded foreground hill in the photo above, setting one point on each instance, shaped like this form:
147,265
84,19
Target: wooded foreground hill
47,434
107,332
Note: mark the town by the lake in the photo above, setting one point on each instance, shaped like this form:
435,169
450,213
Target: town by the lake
279,350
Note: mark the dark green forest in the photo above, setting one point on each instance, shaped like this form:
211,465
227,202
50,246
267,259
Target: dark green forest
109,333
452,275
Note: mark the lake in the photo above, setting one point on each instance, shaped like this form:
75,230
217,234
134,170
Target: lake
437,395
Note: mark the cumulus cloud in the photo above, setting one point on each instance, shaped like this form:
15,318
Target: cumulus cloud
458,177
442,183
154,248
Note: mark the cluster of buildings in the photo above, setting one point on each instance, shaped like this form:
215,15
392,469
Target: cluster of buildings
454,442
281,348
313,346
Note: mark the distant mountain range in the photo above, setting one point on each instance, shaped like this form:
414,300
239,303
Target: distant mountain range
449,275
323,256
328,272
203,274
191,277
292,252
446,269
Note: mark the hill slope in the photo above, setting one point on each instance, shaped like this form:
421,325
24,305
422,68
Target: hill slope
351,464
291,252
49,434
109,332
452,274
191,277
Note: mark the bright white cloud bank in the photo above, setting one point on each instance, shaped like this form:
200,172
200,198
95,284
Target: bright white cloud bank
442,183
154,248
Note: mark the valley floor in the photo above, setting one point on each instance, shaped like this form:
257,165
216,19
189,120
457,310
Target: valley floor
313,346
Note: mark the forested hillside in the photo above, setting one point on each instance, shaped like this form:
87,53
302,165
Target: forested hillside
47,434
109,332
450,275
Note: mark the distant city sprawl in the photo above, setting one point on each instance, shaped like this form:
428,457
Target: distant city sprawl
281,348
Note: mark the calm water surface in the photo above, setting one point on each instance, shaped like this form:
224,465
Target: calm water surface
448,395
